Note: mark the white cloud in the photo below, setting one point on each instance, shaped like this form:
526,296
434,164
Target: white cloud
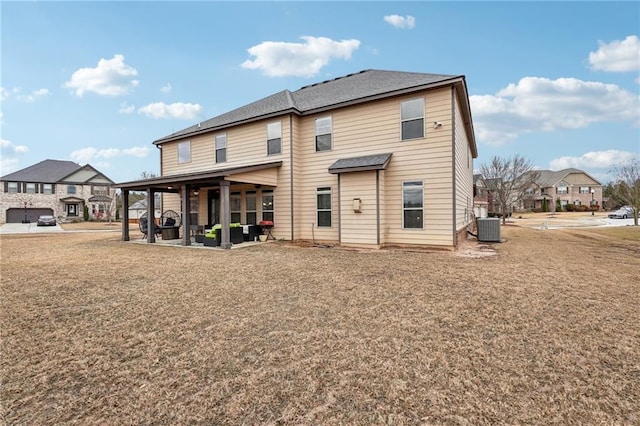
9,147
166,89
617,56
88,154
4,94
125,108
281,59
177,110
112,77
537,104
9,160
595,159
33,96
401,21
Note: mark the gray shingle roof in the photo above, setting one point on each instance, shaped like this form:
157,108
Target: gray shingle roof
367,162
549,178
357,87
47,171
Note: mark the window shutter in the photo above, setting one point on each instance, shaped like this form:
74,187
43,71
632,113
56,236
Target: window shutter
6,186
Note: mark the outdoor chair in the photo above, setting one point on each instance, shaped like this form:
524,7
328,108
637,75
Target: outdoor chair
144,225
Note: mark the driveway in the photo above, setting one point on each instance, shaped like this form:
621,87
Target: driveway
28,228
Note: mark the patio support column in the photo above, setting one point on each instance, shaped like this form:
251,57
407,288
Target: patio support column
151,218
225,215
186,208
125,215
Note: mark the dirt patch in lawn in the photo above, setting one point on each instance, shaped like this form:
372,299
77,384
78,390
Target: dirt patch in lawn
96,331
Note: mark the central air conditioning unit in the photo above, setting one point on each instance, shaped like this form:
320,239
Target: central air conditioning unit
489,229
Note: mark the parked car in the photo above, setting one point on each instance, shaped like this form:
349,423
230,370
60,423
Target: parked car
46,220
622,213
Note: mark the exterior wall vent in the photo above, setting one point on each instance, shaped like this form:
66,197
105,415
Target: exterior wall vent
489,229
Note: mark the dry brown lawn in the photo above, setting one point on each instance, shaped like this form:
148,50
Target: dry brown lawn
96,331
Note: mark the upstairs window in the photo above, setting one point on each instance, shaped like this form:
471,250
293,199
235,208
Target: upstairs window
221,148
562,189
323,134
274,138
412,118
184,152
585,189
323,196
31,188
12,187
71,189
412,205
47,188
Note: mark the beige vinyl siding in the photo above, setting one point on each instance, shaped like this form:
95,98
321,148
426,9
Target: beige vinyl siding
580,179
358,228
463,170
374,128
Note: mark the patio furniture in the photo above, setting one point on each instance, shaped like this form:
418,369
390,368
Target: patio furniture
143,223
266,226
170,225
214,236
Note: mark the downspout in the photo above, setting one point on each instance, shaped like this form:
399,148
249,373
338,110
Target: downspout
291,172
453,163
339,211
378,207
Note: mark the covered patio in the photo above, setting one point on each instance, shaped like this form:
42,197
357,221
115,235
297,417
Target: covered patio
184,185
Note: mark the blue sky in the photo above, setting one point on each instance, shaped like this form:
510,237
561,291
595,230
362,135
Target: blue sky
97,83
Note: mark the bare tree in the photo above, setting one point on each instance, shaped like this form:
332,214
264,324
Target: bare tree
508,179
147,175
627,185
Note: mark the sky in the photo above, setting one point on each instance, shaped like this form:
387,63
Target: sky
97,82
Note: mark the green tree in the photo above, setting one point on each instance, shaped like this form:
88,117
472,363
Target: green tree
85,213
545,207
558,205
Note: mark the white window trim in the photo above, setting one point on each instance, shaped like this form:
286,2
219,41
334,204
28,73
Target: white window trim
216,149
403,208
188,145
315,130
324,190
279,123
402,120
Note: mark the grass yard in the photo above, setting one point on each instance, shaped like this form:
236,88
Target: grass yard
96,331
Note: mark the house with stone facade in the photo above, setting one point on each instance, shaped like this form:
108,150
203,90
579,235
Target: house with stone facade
370,159
54,187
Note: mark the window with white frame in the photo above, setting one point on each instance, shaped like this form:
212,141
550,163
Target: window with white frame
274,138
323,134
250,202
562,189
221,148
47,188
184,152
235,207
323,196
412,119
585,189
31,188
12,187
412,205
267,205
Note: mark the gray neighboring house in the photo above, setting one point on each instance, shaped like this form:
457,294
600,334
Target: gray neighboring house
53,187
139,209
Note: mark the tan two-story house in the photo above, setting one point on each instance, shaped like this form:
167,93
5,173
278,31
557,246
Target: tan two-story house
371,159
54,187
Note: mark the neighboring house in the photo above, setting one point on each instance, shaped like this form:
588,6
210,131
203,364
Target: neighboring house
372,159
139,209
569,186
480,197
53,187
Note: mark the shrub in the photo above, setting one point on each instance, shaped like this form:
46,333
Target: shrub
85,212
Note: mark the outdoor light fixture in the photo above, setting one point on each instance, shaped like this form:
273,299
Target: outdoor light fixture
437,124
